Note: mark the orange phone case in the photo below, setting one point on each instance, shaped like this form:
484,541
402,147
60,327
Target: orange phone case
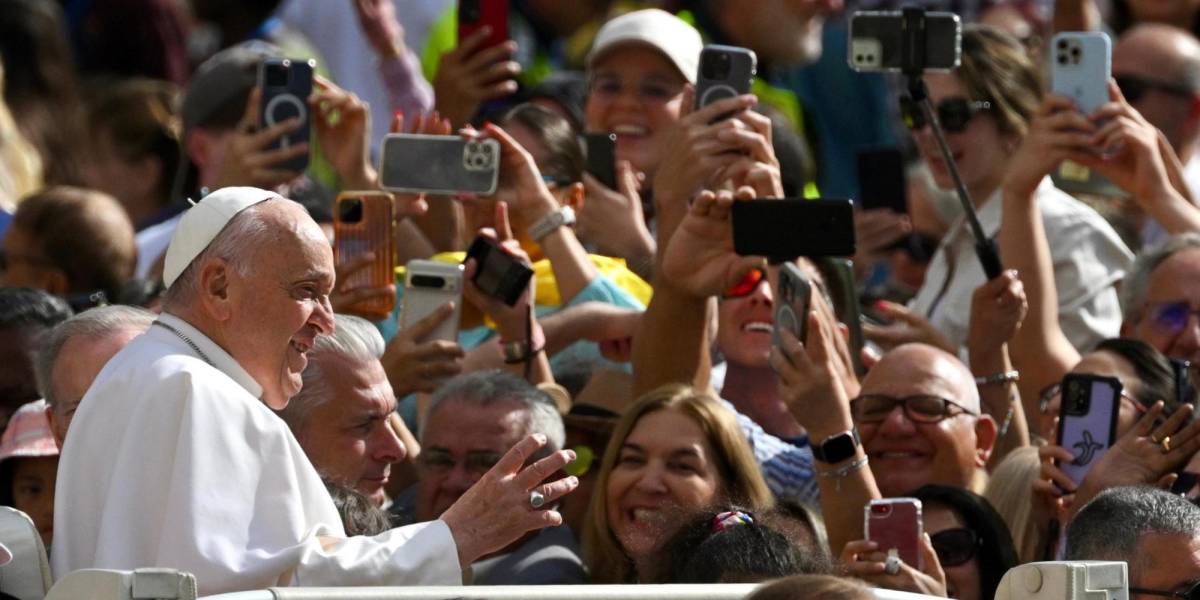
362,222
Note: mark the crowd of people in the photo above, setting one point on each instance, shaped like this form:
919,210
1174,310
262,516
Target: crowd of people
189,378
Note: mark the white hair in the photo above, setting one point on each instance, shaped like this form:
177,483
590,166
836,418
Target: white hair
354,339
247,230
484,388
94,324
1137,283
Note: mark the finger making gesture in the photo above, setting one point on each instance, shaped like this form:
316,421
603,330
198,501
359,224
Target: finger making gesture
509,501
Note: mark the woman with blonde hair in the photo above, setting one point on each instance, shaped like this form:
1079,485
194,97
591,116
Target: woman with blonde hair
1009,492
674,451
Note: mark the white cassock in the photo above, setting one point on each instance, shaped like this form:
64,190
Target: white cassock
175,462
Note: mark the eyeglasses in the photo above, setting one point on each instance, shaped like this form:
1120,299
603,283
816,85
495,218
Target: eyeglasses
1133,87
874,408
1171,316
1054,390
1192,593
746,285
440,461
955,546
954,114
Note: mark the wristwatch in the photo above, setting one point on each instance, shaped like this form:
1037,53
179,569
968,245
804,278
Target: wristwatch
549,223
837,447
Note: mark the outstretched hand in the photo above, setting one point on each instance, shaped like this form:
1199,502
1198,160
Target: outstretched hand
414,364
496,511
699,258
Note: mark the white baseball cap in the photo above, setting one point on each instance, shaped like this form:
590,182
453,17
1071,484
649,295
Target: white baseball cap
661,30
202,223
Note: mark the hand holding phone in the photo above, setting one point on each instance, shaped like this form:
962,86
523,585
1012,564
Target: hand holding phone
791,304
285,86
724,72
896,524
362,228
498,274
600,149
1087,423
427,286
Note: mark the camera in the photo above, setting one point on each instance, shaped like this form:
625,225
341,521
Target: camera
1076,399
715,65
350,211
428,281
481,155
276,74
1068,51
469,10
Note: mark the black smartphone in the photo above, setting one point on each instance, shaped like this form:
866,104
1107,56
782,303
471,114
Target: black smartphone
286,85
725,72
877,41
791,308
785,228
601,151
498,274
881,181
1087,422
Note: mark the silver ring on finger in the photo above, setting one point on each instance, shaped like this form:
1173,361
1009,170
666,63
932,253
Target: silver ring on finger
892,564
537,499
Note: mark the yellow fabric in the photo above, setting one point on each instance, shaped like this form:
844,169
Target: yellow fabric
546,292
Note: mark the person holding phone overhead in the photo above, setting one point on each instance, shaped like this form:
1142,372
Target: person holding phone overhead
987,108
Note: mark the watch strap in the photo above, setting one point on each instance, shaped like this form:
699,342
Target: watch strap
550,222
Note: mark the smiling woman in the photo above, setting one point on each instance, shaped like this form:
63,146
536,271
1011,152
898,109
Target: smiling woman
674,451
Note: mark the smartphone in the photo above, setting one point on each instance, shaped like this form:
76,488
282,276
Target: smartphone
601,151
498,273
1087,421
1081,68
895,523
791,306
362,222
428,285
725,72
439,164
785,228
474,14
286,85
839,278
881,180
877,39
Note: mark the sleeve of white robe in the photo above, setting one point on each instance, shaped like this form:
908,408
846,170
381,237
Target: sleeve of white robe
204,478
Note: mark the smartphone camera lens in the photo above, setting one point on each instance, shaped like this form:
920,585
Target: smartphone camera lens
277,75
350,211
1062,44
715,65
428,281
881,510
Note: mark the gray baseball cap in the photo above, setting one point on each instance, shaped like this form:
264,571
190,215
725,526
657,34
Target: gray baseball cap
217,93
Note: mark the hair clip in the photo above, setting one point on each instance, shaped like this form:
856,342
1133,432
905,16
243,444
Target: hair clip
730,518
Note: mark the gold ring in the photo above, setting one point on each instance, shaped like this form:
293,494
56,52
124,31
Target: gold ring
1166,444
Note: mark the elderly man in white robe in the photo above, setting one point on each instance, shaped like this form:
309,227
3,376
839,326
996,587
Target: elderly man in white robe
176,460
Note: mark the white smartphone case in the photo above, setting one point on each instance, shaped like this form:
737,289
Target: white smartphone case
422,297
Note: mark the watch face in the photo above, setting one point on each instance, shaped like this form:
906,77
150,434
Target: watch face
838,448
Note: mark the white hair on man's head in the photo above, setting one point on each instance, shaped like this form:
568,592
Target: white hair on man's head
1136,286
484,388
96,323
247,230
354,339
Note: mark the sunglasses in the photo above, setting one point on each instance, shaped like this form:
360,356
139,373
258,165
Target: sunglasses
1192,593
954,114
955,546
1133,87
1171,316
746,285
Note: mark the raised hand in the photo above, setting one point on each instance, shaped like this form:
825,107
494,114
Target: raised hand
612,220
510,320
342,123
415,366
467,76
816,380
699,257
1057,132
383,31
997,309
497,511
247,161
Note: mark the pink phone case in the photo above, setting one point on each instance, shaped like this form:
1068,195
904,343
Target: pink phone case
896,523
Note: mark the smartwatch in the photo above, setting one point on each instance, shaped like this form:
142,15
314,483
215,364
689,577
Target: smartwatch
837,447
551,222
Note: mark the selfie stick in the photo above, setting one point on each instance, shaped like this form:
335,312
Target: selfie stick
912,61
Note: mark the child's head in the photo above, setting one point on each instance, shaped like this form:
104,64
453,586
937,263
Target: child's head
730,546
29,466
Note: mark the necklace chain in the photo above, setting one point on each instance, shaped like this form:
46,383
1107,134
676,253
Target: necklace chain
186,340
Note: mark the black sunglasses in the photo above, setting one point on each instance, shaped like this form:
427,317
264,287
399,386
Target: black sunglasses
1192,593
955,546
954,114
1133,87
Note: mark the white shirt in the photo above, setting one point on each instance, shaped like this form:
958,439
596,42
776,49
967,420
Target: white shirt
173,462
1087,255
